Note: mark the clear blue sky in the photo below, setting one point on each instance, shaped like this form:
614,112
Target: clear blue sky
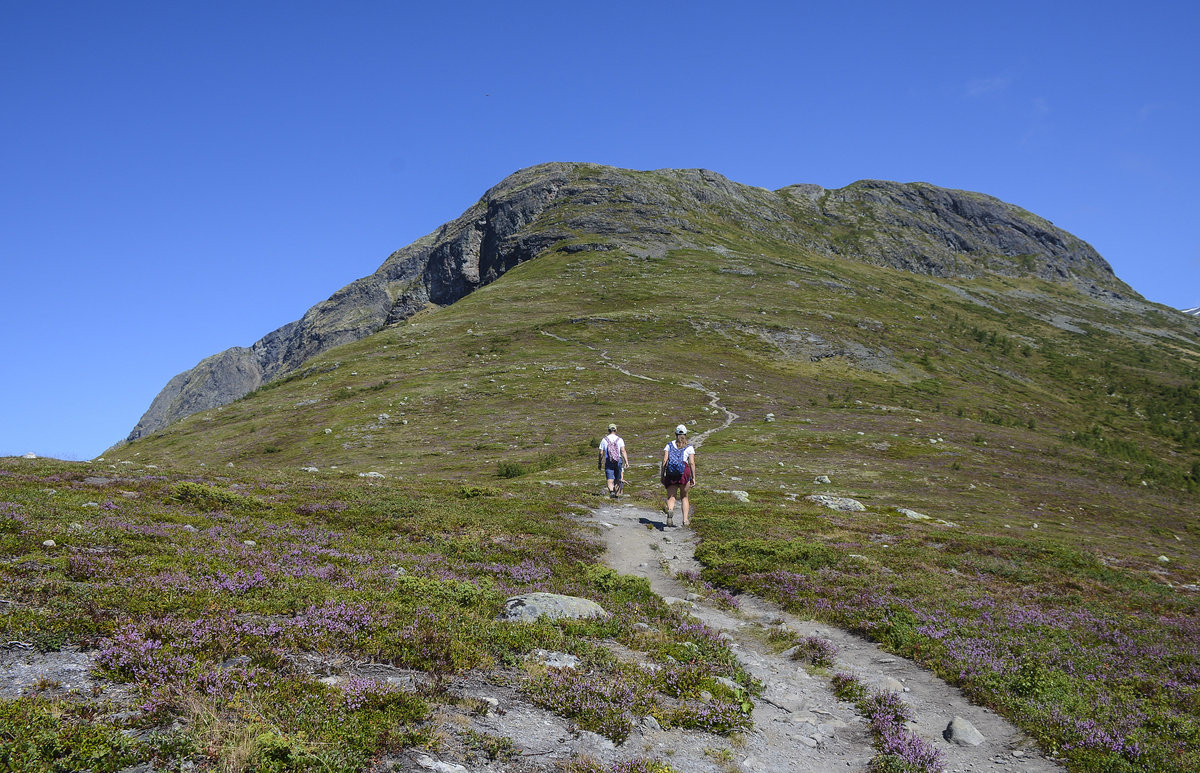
180,177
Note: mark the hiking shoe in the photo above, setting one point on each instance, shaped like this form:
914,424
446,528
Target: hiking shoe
670,520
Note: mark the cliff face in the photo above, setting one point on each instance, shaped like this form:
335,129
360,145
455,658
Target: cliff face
573,207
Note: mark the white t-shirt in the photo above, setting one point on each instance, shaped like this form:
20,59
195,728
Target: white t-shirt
611,437
688,452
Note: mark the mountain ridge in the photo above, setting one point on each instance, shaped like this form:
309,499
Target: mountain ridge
916,227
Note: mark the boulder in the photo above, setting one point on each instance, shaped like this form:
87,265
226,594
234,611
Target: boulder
962,733
841,504
530,606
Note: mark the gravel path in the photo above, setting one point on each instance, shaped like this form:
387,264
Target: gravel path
800,725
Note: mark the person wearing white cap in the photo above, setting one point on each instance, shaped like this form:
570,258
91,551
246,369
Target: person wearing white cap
613,460
678,474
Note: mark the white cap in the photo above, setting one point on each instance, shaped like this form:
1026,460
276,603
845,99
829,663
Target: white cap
612,427
681,430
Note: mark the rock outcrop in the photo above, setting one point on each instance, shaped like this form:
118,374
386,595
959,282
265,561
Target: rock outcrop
580,207
531,606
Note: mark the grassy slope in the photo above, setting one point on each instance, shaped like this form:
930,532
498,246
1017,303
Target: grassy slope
1047,599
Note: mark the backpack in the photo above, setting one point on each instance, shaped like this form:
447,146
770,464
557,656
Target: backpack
614,451
676,461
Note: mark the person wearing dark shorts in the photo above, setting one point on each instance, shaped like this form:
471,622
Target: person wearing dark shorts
613,460
678,474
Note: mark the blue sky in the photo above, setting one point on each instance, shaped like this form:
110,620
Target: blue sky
178,178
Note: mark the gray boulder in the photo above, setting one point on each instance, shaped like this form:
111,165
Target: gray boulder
841,504
530,606
962,733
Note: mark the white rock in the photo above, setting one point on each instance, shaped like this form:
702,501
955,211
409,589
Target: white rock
328,430
913,514
50,544
371,475
31,455
1164,560
249,543
309,469
841,504
429,763
822,479
560,660
962,733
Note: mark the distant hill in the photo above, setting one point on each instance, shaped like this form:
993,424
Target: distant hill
1195,312
577,208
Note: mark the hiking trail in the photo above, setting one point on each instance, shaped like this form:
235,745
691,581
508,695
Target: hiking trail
798,723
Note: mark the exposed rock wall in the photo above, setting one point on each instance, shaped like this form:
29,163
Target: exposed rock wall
916,227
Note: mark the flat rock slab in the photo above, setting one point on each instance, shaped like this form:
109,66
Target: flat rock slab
841,504
531,606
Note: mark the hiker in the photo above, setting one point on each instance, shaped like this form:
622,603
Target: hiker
678,474
613,460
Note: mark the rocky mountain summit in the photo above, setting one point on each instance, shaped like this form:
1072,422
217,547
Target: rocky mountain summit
569,208
1192,312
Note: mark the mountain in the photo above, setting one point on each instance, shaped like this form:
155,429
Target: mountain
1195,312
575,208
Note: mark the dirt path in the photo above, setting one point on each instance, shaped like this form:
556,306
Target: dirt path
799,724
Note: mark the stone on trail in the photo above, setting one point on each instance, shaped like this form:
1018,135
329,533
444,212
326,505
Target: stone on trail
841,504
890,683
429,763
530,606
962,733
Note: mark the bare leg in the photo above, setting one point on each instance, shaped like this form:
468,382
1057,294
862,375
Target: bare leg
687,510
670,508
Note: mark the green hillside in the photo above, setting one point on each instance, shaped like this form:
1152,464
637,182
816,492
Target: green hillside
1048,429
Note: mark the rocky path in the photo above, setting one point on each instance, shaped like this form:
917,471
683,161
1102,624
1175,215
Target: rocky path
799,724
